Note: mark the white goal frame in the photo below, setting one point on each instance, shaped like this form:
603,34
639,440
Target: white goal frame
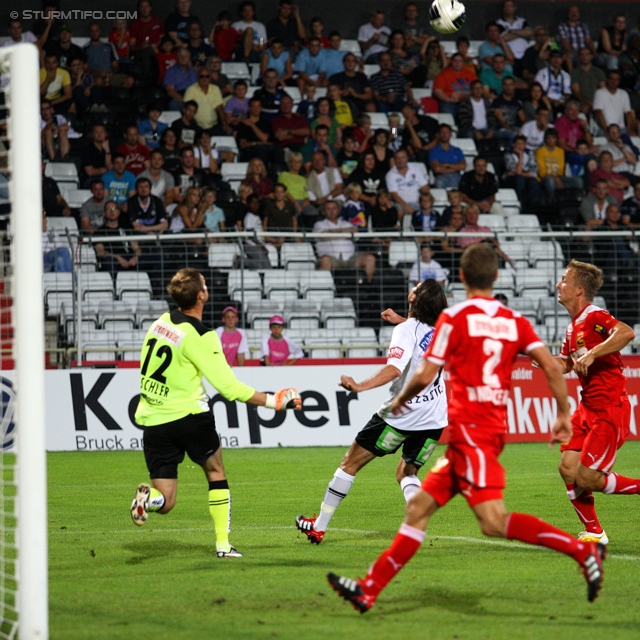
25,189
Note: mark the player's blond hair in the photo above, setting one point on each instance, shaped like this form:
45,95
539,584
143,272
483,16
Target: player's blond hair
479,263
587,276
185,286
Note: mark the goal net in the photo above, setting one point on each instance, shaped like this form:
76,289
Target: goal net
23,531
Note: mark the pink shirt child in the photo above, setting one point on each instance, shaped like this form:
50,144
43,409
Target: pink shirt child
233,342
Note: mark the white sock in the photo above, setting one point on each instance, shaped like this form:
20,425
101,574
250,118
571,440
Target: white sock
409,486
336,491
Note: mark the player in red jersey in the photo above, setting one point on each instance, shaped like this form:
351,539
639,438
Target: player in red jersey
600,424
480,339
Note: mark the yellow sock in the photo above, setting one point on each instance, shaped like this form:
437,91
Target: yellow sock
220,510
156,500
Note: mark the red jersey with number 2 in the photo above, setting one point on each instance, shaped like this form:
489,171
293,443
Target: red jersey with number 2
605,381
480,340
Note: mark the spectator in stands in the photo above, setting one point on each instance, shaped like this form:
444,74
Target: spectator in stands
425,217
258,179
254,136
536,97
456,205
420,133
206,156
54,133
223,36
427,268
493,45
63,47
146,32
403,61
594,205
405,182
236,108
476,117
493,78
534,130
611,104
146,212
586,79
462,47
307,106
45,27
170,150
251,220
279,215
162,182
116,256
136,154
630,209
270,95
374,37
177,23
380,147
86,92
119,183
334,55
55,84
384,215
323,184
253,40
324,116
151,130
120,38
581,161
309,65
453,84
456,222
17,35
208,97
319,143
189,215
347,158
354,84
188,175
289,129
446,160
433,59
316,29
276,57
615,256
536,56
471,226
198,49
165,58
616,182
340,253
479,187
92,211
185,128
573,35
572,128
509,111
522,173
353,209
395,134
629,63
612,43
233,340
214,217
515,30
295,183
551,161
389,86
278,350
56,256
53,203
96,156
413,31
178,78
219,79
341,108
369,178
555,82
102,60
362,132
624,158
287,26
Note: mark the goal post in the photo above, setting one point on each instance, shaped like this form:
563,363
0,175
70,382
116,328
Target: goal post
20,67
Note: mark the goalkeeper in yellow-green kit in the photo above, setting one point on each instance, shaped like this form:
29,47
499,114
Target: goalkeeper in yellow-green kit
174,411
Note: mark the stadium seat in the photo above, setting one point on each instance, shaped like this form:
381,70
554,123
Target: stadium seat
99,339
318,284
337,308
283,295
280,280
508,198
251,90
517,250
147,311
261,310
223,255
236,71
494,221
61,224
234,170
320,352
62,172
545,252
533,280
524,223
440,197
225,143
243,280
133,286
419,93
130,340
97,286
468,146
361,336
384,336
297,255
599,301
353,46
75,199
550,307
304,323
404,253
505,282
301,309
294,92
371,69
169,117
340,323
116,311
379,120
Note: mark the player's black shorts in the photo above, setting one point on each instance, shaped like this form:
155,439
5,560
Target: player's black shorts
382,439
165,444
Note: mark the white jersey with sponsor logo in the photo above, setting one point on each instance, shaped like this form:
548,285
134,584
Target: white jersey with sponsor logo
409,341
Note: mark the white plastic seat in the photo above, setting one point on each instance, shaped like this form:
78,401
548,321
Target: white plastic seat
60,224
237,71
508,197
133,285
169,117
379,120
280,280
225,143
110,311
505,282
283,295
304,323
468,147
518,251
293,255
440,197
494,221
545,252
533,280
371,69
101,339
353,46
337,308
131,340
550,307
75,199
384,336
403,252
524,222
301,309
243,280
88,258
316,283
62,171
223,255
340,323
323,353
294,92
261,310
97,286
148,311
419,93
599,301
234,170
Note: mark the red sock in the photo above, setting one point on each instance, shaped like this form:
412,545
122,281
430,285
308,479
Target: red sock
532,530
621,484
402,549
584,504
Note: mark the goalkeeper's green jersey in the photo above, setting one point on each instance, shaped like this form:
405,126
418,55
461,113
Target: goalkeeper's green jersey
177,351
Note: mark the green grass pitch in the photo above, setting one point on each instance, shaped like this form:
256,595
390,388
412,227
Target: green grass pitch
111,580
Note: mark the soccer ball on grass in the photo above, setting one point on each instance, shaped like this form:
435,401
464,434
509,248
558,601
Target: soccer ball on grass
447,16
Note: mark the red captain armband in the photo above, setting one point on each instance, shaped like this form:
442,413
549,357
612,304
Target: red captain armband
396,352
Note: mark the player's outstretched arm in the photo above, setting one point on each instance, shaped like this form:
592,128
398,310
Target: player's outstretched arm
378,379
422,378
280,400
621,335
561,431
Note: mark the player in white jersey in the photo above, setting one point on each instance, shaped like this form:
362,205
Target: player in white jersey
417,431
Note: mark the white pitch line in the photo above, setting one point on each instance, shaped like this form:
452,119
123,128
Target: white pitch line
499,543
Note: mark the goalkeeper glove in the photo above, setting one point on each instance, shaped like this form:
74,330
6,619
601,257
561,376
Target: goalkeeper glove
284,399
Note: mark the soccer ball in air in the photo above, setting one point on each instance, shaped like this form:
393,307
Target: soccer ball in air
447,16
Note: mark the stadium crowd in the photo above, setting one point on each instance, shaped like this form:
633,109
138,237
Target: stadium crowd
538,104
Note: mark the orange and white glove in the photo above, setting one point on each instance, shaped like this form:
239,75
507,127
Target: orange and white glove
284,399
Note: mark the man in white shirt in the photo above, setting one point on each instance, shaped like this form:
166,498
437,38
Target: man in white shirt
624,159
534,130
516,31
405,182
611,105
254,34
17,35
341,252
162,182
555,81
374,37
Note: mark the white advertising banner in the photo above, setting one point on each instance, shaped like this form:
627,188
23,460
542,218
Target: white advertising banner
92,409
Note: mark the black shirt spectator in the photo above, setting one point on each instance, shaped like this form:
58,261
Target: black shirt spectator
146,211
66,54
52,201
384,218
630,209
270,102
178,24
478,191
95,156
287,25
370,182
359,82
185,128
426,129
